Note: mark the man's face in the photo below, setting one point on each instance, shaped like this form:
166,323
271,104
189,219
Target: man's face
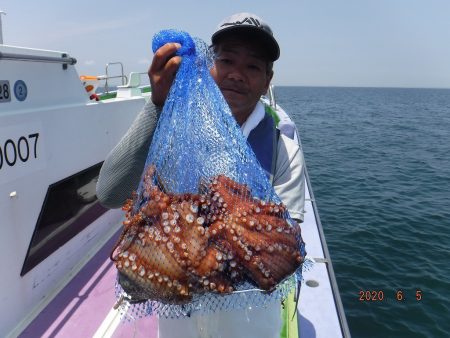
241,73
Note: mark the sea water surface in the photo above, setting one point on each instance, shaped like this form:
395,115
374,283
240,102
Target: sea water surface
379,164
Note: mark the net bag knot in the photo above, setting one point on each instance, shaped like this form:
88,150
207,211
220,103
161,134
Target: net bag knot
173,35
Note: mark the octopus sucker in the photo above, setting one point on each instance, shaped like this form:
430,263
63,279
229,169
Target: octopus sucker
174,246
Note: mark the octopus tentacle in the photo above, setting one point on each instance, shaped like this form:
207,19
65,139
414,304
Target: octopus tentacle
176,245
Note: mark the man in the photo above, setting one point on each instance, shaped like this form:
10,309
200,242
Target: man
245,50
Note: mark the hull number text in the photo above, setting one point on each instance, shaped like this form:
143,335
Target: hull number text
22,149
5,92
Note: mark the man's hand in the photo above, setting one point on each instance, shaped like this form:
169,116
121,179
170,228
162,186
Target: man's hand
162,72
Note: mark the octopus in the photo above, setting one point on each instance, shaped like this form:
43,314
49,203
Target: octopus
174,246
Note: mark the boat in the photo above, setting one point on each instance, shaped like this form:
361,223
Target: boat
57,278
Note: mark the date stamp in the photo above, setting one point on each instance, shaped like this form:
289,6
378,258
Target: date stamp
398,295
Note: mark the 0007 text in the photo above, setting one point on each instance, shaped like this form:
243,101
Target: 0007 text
21,149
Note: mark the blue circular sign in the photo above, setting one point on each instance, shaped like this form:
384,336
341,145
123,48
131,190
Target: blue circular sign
20,90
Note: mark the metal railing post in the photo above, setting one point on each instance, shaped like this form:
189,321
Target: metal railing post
1,29
124,78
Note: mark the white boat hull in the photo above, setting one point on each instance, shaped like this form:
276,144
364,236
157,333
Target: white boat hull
54,133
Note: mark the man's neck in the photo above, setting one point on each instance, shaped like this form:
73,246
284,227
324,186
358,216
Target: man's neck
242,116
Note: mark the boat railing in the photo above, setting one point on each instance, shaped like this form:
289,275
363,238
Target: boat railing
107,76
64,59
272,100
1,29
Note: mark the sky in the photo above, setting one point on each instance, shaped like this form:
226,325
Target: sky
369,43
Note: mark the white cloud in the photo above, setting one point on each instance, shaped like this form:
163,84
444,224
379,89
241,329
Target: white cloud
70,29
144,61
89,62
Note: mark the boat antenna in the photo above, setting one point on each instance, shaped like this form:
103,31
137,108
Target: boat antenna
1,30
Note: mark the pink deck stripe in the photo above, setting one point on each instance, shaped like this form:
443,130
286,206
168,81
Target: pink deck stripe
80,308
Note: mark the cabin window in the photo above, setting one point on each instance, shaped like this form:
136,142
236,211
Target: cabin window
70,205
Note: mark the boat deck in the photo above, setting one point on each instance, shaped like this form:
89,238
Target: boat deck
317,308
81,308
84,308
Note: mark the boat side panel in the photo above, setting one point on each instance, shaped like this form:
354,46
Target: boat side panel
47,84
71,139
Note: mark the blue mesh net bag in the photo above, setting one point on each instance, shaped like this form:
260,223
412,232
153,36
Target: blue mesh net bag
205,230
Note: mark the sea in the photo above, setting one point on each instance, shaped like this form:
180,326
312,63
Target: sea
379,164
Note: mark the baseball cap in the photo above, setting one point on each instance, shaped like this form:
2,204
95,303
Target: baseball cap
247,23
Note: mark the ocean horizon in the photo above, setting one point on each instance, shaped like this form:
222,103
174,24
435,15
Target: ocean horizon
278,87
